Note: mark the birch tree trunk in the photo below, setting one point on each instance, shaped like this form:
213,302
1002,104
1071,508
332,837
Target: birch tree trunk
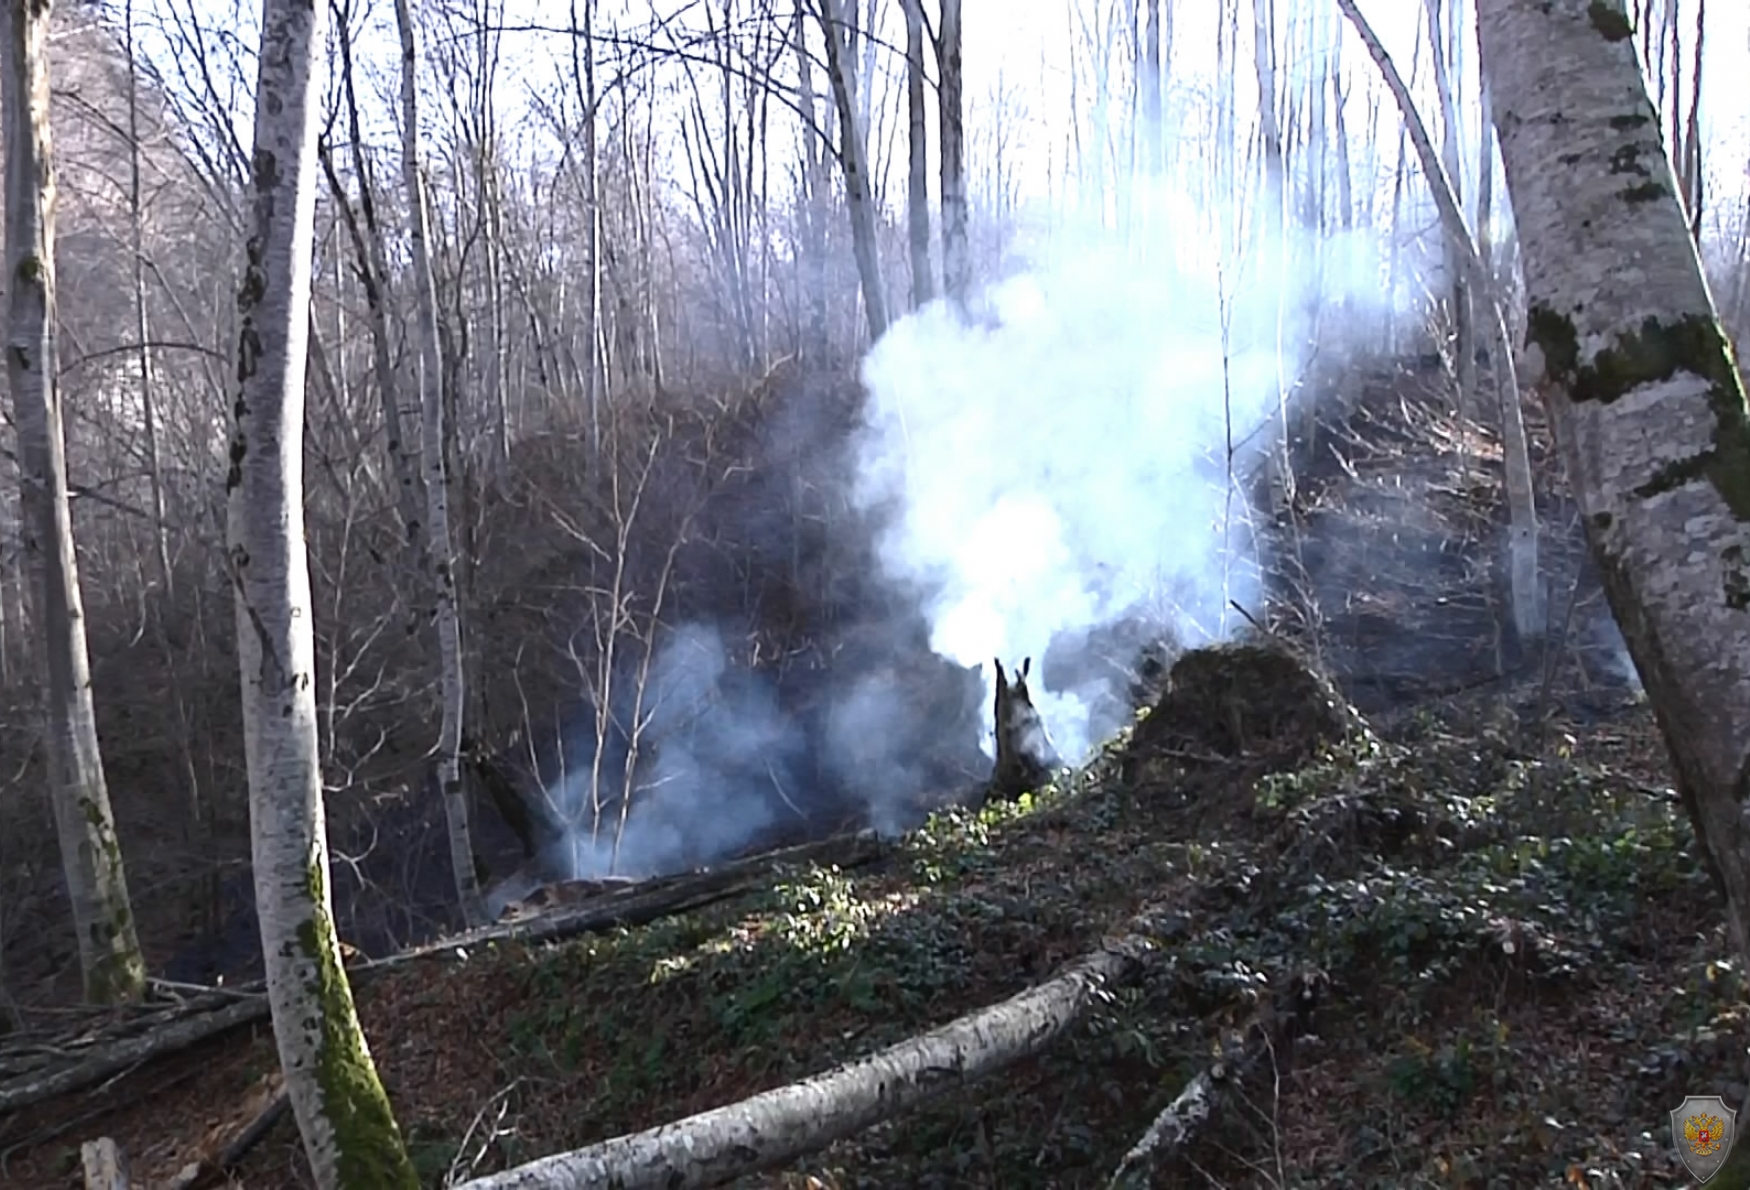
1150,66
786,1123
1694,182
1269,131
349,1132
1643,392
596,376
142,316
816,343
1522,531
951,117
1463,310
109,948
917,158
856,166
441,569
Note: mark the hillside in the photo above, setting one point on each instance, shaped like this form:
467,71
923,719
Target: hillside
1519,970
1461,941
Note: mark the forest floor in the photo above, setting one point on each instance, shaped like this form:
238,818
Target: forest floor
1526,973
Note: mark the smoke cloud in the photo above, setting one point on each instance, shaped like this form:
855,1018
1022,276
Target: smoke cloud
1059,461
1070,457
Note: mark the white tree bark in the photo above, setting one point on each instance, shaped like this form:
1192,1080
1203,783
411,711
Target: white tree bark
344,1117
1642,389
440,558
853,156
951,120
1442,50
917,199
783,1124
109,949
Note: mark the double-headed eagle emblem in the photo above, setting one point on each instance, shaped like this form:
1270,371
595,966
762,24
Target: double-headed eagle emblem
1703,1134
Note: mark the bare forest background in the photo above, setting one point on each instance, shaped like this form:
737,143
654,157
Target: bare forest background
703,601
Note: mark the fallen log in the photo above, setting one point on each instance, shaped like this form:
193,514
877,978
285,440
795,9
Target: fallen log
100,1063
1203,1098
1178,1122
215,1168
46,1074
778,1126
649,900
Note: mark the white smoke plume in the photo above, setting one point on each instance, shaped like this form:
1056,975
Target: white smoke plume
1060,459
1056,463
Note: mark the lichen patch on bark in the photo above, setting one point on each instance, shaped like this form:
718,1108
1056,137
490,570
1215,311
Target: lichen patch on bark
1610,21
1655,352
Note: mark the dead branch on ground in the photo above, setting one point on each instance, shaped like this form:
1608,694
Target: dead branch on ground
33,1069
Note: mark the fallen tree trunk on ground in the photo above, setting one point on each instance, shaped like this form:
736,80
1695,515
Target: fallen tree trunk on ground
216,1167
33,1069
647,901
81,1070
1204,1097
780,1125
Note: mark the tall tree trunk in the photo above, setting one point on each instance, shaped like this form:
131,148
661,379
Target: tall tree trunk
197,836
1275,186
917,158
109,948
1641,386
596,376
1340,130
951,117
811,270
441,562
349,1131
1522,543
1394,233
490,164
1152,130
856,166
366,232
1486,192
1693,182
1463,309
142,318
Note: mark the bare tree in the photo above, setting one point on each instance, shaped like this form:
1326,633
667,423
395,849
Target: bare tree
1269,129
366,233
855,162
440,562
917,158
109,948
1690,171
950,114
1441,50
1641,388
349,1131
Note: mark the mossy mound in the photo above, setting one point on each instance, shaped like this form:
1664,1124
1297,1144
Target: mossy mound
1251,701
